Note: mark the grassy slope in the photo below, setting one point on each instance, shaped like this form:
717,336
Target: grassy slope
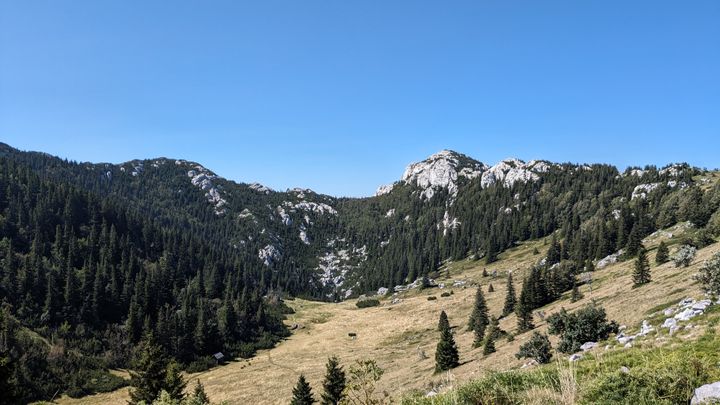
393,334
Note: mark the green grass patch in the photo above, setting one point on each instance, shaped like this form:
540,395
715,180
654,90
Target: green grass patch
659,375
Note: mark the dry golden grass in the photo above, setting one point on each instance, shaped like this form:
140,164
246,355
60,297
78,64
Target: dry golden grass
394,334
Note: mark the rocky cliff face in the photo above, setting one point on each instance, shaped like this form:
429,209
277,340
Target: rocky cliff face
448,170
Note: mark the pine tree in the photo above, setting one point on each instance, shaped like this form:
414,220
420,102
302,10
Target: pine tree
443,323
489,345
554,254
523,310
641,275
663,254
446,354
199,397
634,242
149,373
479,317
302,393
491,288
334,383
174,383
478,337
510,299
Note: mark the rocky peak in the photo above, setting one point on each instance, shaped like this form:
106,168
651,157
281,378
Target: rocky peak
509,171
442,170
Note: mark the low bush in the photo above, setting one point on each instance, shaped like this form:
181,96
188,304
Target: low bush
368,302
588,324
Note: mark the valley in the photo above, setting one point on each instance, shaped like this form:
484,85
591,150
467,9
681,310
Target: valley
395,334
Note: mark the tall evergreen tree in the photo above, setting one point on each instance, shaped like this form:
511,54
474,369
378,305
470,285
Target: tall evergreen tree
510,299
199,397
479,317
149,371
489,344
641,273
663,253
174,383
554,254
446,353
302,393
524,309
443,323
334,383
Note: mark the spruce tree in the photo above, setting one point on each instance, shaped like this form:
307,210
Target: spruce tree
174,383
302,393
489,345
663,254
479,317
149,373
554,254
446,353
524,309
478,337
199,397
641,275
443,323
491,288
510,299
334,383
634,242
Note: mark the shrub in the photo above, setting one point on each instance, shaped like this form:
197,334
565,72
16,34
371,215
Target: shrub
709,275
201,364
684,256
588,324
703,238
445,294
431,298
368,302
537,348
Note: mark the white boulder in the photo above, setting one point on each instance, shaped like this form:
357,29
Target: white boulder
708,393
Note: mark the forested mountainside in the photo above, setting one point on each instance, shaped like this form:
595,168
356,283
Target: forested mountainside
94,256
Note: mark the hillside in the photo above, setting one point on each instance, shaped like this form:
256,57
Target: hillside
100,260
394,333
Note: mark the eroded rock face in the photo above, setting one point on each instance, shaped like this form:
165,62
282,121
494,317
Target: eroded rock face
444,170
269,254
441,171
510,171
204,179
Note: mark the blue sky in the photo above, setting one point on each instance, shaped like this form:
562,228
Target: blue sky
340,96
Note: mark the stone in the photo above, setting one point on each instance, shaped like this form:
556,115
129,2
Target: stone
686,314
624,370
701,305
669,323
628,345
575,357
706,393
669,312
642,190
382,291
588,346
645,328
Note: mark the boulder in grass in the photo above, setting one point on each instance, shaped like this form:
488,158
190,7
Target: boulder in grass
706,394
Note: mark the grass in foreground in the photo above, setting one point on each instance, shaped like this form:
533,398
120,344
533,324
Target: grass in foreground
661,375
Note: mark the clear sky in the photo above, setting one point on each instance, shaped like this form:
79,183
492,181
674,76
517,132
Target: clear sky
340,96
